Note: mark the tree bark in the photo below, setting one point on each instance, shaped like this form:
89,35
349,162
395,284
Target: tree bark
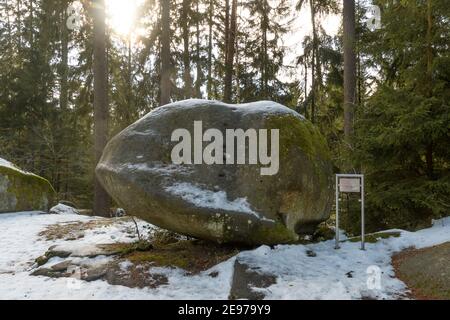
19,25
198,82
237,68
210,33
313,63
101,197
31,9
227,28
264,78
129,115
306,88
349,68
165,52
60,129
186,55
230,54
429,84
63,100
10,48
8,24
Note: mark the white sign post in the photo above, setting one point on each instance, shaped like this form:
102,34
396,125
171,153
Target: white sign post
350,183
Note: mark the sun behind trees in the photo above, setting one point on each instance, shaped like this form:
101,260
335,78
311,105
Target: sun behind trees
234,51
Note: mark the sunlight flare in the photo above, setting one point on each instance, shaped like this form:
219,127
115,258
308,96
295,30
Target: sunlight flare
122,15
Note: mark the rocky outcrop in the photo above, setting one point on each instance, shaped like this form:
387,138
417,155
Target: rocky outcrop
270,198
23,191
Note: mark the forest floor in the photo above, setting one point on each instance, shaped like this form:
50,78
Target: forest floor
425,271
68,256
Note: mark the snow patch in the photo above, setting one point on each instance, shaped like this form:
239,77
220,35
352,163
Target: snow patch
264,107
210,199
157,168
125,265
7,164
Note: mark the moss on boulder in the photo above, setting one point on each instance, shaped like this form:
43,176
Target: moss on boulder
23,191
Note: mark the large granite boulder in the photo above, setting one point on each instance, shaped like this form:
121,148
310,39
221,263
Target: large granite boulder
246,203
23,191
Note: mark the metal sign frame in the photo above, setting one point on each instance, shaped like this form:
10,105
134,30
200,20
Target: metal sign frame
361,191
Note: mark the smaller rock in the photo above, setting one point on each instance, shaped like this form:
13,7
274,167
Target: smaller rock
214,274
55,251
94,274
245,279
310,253
82,250
62,266
23,191
120,213
41,260
47,272
63,209
134,277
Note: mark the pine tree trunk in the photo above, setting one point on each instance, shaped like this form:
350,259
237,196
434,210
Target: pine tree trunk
8,24
63,100
230,54
237,68
306,89
186,55
31,10
210,33
264,80
101,198
226,44
359,79
349,68
130,101
313,63
198,82
429,84
165,52
19,25
10,48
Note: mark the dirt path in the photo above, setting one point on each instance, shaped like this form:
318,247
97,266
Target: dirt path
426,272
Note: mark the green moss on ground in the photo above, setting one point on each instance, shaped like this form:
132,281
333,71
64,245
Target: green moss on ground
374,237
191,255
323,233
41,260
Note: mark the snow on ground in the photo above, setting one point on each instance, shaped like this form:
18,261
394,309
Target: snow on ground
20,245
331,274
343,273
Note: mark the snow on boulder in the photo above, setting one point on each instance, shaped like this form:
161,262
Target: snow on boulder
23,191
63,209
230,188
